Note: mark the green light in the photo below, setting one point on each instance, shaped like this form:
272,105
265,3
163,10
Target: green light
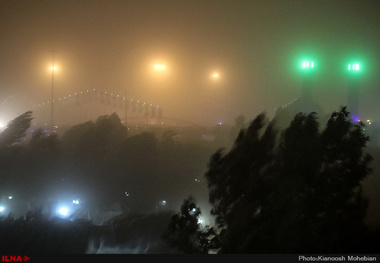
306,64
353,66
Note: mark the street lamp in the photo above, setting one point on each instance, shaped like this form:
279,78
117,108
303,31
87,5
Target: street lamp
307,64
159,67
215,75
307,67
354,67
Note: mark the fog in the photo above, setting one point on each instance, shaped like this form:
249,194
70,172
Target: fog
145,92
253,45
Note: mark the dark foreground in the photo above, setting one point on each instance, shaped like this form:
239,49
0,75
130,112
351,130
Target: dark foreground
36,234
125,234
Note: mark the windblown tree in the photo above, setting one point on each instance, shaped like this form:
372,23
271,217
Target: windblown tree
186,233
294,192
12,154
16,129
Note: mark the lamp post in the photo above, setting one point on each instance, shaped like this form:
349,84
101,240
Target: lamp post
156,68
353,91
307,68
53,68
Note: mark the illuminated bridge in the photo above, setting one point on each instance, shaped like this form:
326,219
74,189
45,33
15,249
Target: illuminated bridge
89,104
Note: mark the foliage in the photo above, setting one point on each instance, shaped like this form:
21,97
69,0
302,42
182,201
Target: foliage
99,162
295,191
301,194
186,233
16,129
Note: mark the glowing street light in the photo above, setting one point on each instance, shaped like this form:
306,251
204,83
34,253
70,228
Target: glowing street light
215,75
159,67
353,67
307,64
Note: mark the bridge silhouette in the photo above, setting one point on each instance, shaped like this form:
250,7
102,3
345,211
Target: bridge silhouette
89,104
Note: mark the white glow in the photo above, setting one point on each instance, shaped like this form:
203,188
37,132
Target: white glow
63,211
76,202
200,221
2,208
353,67
159,67
307,64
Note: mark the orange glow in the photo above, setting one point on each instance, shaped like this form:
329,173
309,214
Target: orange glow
215,75
159,67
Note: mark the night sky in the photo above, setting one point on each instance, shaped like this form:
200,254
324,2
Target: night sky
253,45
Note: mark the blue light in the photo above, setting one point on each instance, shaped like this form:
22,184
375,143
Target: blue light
355,118
63,211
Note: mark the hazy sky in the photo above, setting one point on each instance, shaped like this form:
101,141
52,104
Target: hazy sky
254,45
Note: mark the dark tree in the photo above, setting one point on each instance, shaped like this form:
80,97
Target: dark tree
40,164
294,192
239,124
90,151
185,232
12,152
16,129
